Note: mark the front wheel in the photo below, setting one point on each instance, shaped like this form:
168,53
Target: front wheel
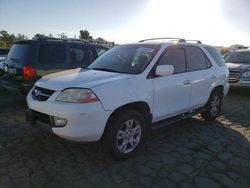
213,106
125,134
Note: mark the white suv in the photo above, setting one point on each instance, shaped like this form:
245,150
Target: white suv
129,89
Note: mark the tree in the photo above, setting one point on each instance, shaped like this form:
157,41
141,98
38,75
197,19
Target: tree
20,36
62,36
84,34
40,36
100,39
3,43
224,51
7,38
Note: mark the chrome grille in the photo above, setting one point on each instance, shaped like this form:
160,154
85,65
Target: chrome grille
234,75
41,94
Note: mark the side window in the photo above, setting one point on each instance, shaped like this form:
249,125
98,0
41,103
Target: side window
209,64
216,55
100,51
196,59
175,57
81,56
51,53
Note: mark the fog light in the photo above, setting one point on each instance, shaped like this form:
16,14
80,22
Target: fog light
60,122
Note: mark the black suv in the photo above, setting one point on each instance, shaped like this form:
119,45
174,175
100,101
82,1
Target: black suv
29,60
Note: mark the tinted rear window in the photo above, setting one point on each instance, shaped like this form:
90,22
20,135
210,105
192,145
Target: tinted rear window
19,51
4,51
51,53
216,55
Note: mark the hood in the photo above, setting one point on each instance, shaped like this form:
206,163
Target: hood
240,66
78,78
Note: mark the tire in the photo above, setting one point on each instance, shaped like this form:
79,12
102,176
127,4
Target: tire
213,106
125,134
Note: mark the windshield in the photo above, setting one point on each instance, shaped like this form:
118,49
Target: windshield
18,51
239,57
130,59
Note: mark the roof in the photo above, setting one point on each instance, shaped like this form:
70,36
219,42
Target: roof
75,41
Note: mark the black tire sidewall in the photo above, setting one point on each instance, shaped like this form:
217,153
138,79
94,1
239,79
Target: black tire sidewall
114,127
208,115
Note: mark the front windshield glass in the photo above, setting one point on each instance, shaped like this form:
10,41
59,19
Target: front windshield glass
129,59
239,57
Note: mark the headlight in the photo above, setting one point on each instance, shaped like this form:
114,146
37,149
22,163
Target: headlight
76,95
245,74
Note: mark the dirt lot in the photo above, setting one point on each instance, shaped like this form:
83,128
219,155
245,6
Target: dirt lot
191,153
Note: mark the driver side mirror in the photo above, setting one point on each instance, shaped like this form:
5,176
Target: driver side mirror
164,70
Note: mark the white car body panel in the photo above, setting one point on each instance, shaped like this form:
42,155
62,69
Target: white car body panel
86,122
78,78
130,90
171,96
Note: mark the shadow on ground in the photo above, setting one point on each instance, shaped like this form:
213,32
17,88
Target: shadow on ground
10,101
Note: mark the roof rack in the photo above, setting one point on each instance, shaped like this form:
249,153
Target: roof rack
47,38
170,38
197,41
77,40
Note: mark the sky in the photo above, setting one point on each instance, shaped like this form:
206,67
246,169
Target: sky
215,22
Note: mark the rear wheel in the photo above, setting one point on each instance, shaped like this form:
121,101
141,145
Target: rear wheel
125,134
213,106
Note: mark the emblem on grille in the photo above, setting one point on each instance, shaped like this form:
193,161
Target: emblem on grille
37,92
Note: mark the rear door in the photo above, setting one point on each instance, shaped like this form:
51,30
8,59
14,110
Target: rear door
172,93
198,67
51,57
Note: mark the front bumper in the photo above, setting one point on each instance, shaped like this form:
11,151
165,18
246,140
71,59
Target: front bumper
240,83
85,122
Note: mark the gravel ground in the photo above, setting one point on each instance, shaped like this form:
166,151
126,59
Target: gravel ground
191,153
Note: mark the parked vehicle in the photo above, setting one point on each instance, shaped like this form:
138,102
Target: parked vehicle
3,54
238,63
130,89
29,60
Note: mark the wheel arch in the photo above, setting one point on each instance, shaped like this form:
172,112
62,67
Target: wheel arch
218,88
139,106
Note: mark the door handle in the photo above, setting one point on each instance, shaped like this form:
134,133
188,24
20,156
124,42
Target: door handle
213,77
187,82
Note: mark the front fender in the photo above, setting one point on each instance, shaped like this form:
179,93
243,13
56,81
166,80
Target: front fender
121,92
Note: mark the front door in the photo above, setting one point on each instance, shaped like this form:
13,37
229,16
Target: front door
172,92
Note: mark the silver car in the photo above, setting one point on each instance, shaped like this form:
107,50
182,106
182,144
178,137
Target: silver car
238,64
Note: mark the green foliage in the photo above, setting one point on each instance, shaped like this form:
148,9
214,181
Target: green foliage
224,51
3,43
40,36
6,38
100,39
84,34
20,36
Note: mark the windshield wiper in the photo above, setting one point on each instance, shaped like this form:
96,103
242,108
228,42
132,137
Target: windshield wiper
104,69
